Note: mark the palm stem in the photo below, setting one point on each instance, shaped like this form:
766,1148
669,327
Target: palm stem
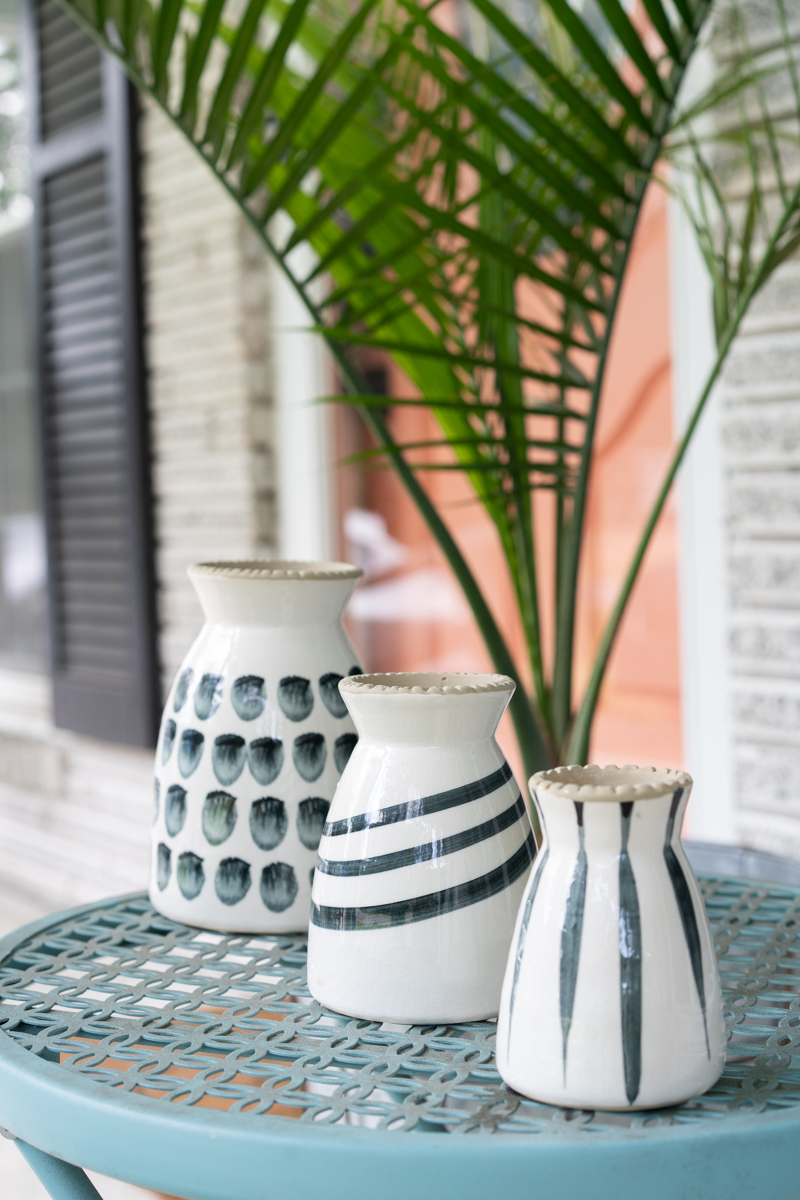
534,751
535,754
569,556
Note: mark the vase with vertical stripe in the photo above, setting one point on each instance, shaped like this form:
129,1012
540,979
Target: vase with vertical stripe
611,996
424,856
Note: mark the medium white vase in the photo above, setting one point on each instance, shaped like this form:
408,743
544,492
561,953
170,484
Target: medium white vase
253,740
424,856
612,996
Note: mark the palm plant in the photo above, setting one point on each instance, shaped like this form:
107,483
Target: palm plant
458,183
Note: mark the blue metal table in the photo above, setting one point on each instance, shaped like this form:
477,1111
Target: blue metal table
197,1064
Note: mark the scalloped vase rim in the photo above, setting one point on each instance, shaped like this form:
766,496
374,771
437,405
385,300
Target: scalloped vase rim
380,683
623,783
276,568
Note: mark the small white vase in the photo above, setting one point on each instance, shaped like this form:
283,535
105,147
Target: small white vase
253,740
424,856
612,995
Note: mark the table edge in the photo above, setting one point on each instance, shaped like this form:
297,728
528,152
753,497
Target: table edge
189,1151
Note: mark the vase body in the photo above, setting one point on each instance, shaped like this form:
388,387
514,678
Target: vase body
424,856
612,996
253,740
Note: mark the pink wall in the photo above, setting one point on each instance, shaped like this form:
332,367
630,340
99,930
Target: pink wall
639,714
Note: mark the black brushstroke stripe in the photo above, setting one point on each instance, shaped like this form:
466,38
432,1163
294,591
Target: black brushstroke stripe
421,807
630,964
683,898
523,933
571,933
434,904
419,854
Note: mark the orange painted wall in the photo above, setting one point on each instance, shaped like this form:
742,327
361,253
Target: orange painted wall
639,713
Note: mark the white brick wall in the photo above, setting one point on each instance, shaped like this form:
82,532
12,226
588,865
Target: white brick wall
207,312
75,814
761,448
761,440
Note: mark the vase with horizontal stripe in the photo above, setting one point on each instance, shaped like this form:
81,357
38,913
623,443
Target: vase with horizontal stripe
424,855
253,740
611,996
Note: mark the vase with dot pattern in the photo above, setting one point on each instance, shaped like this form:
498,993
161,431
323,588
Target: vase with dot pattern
253,740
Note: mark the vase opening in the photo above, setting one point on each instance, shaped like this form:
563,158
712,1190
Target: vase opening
427,708
277,568
610,784
274,592
431,683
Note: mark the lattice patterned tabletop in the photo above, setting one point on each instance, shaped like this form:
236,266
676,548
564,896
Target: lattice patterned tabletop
114,1014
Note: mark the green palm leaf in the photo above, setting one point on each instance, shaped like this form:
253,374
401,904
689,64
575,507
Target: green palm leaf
439,166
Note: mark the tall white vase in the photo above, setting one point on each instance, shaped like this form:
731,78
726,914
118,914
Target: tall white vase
253,740
424,856
611,997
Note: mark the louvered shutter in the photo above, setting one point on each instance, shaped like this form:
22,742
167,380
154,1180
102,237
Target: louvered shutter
91,382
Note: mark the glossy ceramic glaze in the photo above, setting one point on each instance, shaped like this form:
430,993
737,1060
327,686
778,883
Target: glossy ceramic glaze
612,996
424,856
253,740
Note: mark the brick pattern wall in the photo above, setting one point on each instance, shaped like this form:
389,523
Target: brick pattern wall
761,395
75,814
207,295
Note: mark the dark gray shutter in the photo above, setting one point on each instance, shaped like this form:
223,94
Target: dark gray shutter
91,384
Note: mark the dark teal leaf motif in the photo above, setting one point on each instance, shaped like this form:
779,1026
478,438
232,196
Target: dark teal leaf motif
311,814
248,697
269,822
232,880
168,740
343,747
191,875
175,809
219,817
182,689
331,697
265,758
190,751
278,886
295,697
683,898
571,932
309,753
228,757
207,696
163,866
630,964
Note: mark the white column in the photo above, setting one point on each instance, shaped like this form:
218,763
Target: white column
304,436
704,609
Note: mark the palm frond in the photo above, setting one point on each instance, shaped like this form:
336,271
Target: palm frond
735,158
466,184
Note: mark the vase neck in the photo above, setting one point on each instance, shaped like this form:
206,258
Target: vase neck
610,828
426,720
273,603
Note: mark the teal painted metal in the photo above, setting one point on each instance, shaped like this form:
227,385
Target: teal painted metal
61,1179
197,1064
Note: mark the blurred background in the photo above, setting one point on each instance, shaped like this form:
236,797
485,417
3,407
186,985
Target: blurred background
157,407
